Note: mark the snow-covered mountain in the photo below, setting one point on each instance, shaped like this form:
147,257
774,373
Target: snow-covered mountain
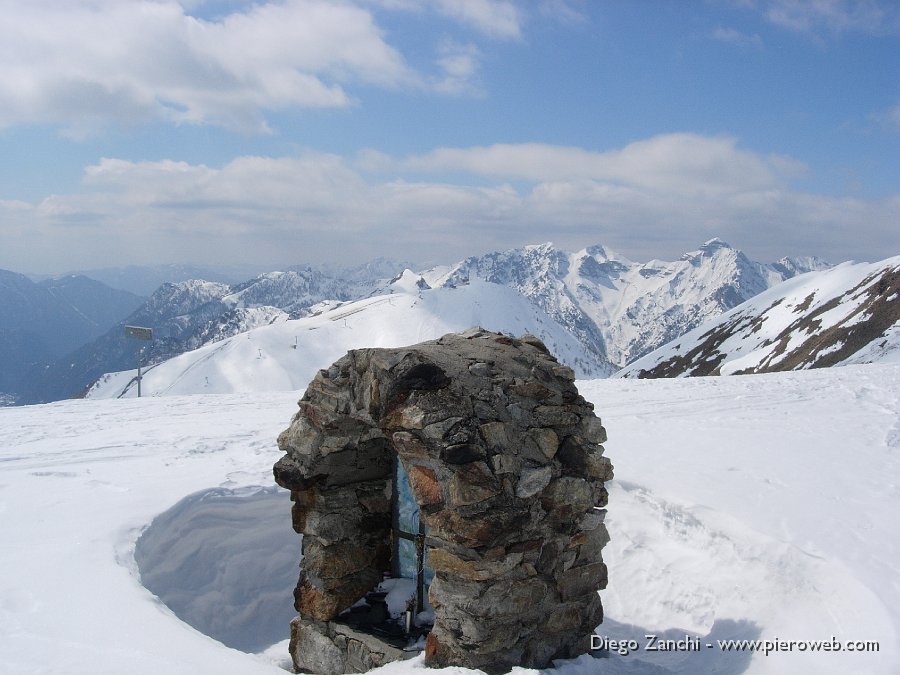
844,315
286,354
189,314
292,291
615,308
236,321
620,309
174,311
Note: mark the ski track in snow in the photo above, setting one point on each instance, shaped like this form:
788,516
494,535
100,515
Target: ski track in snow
224,346
754,507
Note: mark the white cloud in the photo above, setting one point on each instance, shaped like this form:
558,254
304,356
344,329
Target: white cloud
82,65
562,11
686,163
498,18
85,64
887,119
459,64
14,205
735,37
653,198
501,19
877,17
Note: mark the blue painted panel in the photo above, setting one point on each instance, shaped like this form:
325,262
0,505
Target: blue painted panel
408,520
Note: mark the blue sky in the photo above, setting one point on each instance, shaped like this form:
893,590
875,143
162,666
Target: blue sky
224,132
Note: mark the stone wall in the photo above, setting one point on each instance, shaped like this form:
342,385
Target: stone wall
505,462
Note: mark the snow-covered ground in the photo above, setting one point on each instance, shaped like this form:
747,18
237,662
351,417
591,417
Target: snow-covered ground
758,507
286,355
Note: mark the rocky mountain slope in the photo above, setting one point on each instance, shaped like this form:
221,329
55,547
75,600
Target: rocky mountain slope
615,308
286,354
619,309
174,312
844,315
42,321
189,314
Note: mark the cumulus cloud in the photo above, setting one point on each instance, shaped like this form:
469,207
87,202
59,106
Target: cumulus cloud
83,64
684,163
655,198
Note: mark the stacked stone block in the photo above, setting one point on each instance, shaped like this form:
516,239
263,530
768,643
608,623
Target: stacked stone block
505,461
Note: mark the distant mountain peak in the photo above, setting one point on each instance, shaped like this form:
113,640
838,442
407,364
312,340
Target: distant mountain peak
408,282
837,316
545,246
601,253
792,266
617,310
714,248
709,248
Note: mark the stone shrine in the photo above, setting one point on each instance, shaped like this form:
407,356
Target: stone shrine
506,476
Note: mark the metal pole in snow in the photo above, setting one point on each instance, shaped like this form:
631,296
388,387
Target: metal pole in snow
139,333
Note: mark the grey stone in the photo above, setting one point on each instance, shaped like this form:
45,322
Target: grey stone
594,431
313,651
495,434
580,581
481,369
555,416
440,429
506,464
532,481
547,441
503,458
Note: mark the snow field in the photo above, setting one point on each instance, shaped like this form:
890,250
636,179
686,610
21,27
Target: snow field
80,480
755,507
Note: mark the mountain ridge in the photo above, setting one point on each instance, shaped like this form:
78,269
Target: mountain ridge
41,322
617,309
287,353
844,315
620,309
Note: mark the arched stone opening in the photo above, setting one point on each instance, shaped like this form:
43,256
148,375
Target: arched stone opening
505,463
